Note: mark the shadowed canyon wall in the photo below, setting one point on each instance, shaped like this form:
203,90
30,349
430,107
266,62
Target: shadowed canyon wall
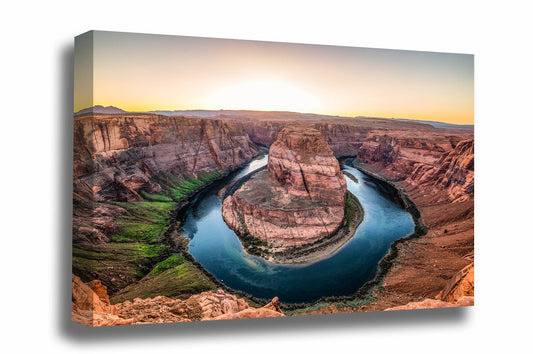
115,155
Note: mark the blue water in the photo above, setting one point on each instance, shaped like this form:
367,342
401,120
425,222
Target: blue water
214,245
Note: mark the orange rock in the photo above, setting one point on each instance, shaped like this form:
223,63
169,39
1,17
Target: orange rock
459,291
89,309
201,307
116,154
462,284
433,304
299,200
303,163
269,310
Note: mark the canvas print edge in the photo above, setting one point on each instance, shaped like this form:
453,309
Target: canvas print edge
131,203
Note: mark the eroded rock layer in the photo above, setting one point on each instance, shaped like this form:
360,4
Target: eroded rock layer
122,159
91,307
302,162
116,155
398,150
298,200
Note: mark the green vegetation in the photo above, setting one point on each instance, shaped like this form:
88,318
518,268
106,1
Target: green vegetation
252,245
354,303
143,222
179,187
171,262
155,197
298,311
350,211
147,211
343,304
172,277
137,248
116,258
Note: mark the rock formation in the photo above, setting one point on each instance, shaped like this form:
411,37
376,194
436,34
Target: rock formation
434,304
303,163
399,150
91,307
116,155
453,172
459,291
434,166
298,200
120,157
461,284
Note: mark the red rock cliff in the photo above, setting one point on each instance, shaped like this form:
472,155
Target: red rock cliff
302,161
402,151
115,155
453,172
298,200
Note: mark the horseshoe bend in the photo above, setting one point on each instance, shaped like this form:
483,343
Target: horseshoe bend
299,200
136,172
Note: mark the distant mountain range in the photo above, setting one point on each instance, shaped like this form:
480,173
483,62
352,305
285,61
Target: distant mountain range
437,124
203,113
190,113
101,109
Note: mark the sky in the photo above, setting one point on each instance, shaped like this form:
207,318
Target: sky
141,72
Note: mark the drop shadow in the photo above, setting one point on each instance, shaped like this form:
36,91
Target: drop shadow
308,325
320,325
65,123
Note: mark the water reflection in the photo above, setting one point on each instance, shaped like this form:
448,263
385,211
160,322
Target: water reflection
217,248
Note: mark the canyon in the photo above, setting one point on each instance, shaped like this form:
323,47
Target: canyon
298,200
133,171
434,166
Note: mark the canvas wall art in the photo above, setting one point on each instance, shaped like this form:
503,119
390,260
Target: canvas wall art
219,179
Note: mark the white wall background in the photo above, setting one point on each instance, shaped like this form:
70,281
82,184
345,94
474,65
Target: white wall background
37,44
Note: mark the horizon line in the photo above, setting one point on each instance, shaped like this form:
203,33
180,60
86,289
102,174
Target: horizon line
270,111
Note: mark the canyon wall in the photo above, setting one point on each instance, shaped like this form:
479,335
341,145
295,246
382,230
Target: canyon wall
398,150
116,155
453,172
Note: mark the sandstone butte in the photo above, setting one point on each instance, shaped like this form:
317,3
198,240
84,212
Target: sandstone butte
298,200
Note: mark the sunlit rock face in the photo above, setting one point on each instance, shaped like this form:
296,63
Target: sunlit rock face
91,307
302,162
299,199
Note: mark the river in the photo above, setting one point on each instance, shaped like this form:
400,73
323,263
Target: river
214,245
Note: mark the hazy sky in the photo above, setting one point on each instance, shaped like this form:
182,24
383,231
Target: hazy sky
139,72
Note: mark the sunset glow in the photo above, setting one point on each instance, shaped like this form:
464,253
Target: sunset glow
138,72
263,95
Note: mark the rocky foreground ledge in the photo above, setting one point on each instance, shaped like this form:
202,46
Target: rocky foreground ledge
91,307
300,198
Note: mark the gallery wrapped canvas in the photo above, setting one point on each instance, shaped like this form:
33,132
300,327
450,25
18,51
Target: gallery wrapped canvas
220,179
